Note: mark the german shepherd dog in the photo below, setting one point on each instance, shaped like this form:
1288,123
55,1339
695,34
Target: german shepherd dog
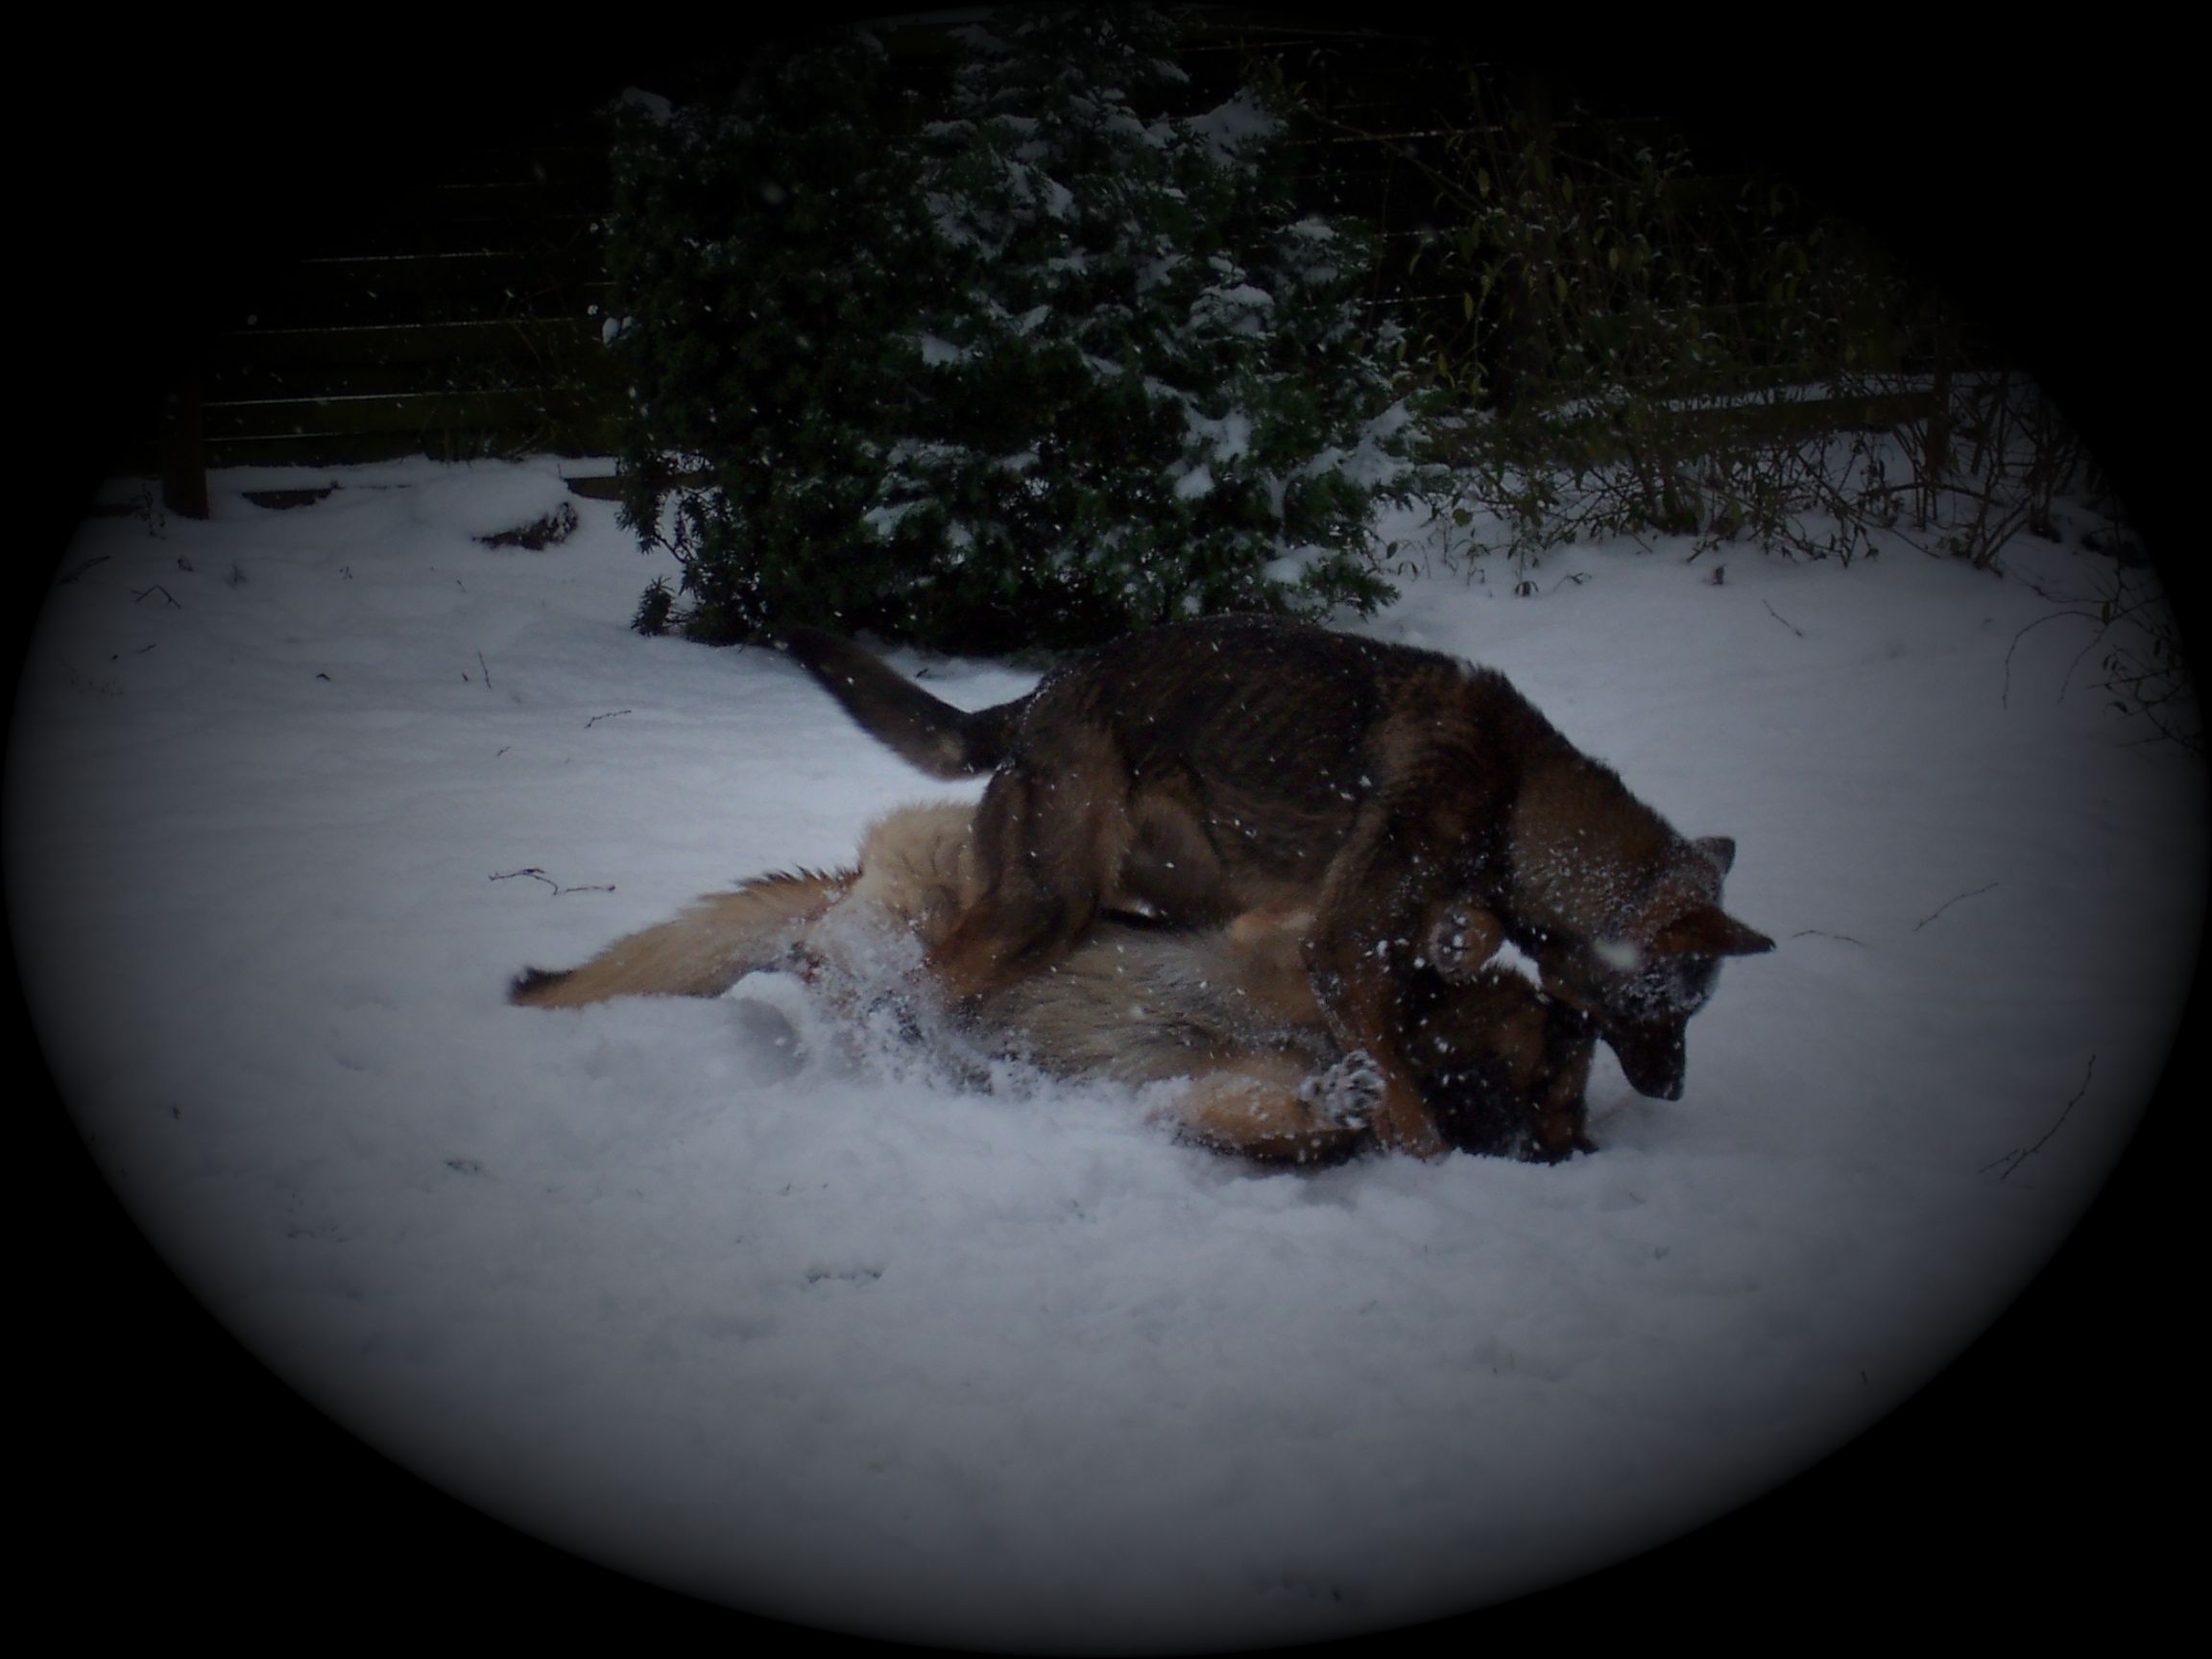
1228,1006
1244,764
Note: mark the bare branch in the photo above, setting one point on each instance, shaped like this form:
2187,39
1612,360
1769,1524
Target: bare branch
537,875
2004,696
2019,1155
1947,904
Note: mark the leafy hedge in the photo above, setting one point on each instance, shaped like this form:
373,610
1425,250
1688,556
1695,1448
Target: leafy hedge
1034,366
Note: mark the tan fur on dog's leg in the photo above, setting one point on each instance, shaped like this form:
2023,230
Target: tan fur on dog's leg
1259,1108
916,872
917,867
709,947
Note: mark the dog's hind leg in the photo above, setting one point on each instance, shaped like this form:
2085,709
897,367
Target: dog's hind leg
1053,839
709,947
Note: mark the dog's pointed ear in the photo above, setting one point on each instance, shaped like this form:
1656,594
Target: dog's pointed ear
1718,850
1708,930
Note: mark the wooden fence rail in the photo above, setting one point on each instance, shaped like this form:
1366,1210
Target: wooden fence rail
456,308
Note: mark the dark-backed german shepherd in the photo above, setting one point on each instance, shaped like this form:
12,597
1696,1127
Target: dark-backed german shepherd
1242,764
1230,1007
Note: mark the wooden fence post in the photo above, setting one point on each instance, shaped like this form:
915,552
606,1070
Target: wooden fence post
183,445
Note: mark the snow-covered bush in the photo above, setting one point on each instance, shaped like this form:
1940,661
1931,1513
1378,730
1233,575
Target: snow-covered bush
765,259
1641,349
1035,366
1640,344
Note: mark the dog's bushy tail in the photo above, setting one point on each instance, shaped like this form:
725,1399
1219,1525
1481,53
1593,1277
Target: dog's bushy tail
921,730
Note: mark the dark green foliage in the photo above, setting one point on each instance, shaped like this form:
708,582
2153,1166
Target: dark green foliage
653,607
1033,367
760,326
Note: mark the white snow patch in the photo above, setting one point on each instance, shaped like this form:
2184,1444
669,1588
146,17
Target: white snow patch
1618,954
651,105
1231,128
1196,482
695,1288
1510,958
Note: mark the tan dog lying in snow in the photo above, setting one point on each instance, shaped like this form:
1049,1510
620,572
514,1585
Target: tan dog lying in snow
1230,1007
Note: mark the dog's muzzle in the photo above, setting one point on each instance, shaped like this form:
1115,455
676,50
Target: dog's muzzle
1654,1061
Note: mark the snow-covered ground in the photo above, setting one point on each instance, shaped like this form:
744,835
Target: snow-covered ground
292,794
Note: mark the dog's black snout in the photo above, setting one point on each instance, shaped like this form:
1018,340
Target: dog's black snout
1654,1065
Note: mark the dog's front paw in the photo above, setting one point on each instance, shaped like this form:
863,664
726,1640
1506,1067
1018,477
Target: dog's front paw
1347,1093
1453,943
